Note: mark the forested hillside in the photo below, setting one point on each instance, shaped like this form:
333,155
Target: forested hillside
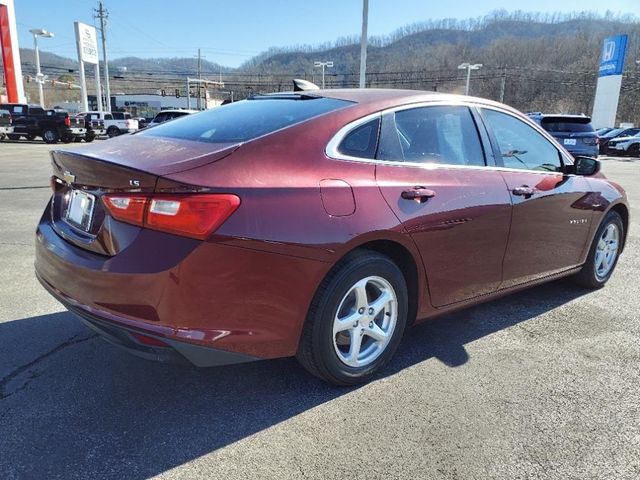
532,61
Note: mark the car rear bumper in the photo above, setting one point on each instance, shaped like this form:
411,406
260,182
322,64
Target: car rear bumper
200,294
129,338
584,151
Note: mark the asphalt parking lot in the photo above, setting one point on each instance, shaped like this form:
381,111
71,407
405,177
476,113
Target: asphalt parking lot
541,384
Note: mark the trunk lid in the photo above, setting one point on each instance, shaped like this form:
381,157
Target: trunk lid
126,164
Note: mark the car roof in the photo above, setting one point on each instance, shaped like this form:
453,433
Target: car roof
373,96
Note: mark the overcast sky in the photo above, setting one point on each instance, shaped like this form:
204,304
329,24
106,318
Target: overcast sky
230,32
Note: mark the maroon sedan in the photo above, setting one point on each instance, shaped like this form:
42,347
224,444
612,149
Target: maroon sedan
318,224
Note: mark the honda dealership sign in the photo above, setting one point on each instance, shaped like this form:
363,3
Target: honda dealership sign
612,59
605,105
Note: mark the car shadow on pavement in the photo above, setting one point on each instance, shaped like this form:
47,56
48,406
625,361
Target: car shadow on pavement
83,408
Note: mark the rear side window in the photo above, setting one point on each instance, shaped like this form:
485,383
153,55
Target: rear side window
247,119
161,117
362,141
108,116
439,134
560,126
521,146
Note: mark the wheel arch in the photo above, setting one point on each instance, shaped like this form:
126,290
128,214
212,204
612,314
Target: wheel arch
401,250
405,260
622,210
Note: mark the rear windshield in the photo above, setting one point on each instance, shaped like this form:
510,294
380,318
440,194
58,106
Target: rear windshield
246,120
566,125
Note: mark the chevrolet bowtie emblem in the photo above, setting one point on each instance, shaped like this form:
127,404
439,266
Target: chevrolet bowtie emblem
69,177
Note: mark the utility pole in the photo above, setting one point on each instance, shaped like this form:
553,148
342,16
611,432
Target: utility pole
199,79
503,84
103,15
363,42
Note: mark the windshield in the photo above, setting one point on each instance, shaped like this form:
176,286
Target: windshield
247,119
613,133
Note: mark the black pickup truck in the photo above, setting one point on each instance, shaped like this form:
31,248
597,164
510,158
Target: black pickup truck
31,121
6,123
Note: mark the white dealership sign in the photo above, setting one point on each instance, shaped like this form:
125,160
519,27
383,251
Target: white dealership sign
87,42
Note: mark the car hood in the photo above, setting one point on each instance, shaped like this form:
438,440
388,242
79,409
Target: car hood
156,155
623,139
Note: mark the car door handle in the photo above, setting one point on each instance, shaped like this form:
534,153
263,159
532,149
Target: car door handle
523,191
419,194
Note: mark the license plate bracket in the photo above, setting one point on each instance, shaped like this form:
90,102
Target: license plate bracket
79,213
569,141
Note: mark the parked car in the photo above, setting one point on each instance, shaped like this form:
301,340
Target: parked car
6,124
116,123
601,131
94,123
166,115
31,121
615,133
142,122
625,145
318,224
574,132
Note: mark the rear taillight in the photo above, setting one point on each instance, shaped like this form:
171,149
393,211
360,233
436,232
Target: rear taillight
67,121
590,140
195,216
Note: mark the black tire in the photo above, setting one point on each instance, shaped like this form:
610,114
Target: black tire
69,139
634,150
77,139
316,352
50,135
588,276
113,131
89,137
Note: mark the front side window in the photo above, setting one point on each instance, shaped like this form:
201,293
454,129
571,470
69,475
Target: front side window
438,134
521,146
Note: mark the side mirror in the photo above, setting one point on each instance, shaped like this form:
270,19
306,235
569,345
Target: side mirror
586,166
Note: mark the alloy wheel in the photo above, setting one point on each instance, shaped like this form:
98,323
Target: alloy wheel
607,251
365,321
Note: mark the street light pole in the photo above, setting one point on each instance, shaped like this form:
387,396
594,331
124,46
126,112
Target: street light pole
469,67
323,65
38,32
